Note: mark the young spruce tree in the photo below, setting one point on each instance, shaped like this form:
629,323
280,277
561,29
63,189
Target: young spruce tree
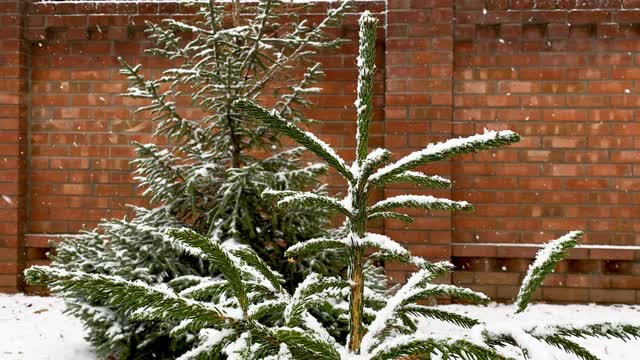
255,317
211,174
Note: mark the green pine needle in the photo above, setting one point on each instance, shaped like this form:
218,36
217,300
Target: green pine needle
366,71
192,242
304,138
569,346
313,246
129,296
431,312
546,261
446,150
421,202
426,348
390,215
415,178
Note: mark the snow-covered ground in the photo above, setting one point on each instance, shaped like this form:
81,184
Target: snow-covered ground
541,314
34,328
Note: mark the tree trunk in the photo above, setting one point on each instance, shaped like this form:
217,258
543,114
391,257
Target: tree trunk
357,301
357,229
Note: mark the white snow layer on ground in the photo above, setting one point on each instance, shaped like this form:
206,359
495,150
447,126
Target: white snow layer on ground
541,314
34,328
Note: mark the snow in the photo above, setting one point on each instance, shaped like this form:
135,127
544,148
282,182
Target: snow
418,174
536,349
209,338
545,314
425,201
385,243
386,313
34,328
543,256
296,247
442,148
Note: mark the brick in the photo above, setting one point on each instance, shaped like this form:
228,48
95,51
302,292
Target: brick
8,282
612,296
611,254
565,295
588,281
497,278
625,282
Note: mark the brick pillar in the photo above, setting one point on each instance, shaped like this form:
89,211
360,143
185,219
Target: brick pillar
418,99
13,142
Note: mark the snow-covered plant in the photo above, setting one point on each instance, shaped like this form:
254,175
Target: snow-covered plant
216,162
253,317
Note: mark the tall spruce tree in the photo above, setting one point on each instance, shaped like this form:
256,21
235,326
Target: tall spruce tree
211,173
254,317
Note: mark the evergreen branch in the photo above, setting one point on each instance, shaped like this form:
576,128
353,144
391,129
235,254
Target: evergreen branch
384,243
434,271
605,330
545,262
313,246
390,215
308,199
366,70
174,125
211,344
457,319
366,167
304,345
415,178
129,296
420,202
433,290
399,258
207,291
386,316
183,282
187,27
277,195
313,284
307,40
569,346
413,347
445,150
496,339
195,244
266,308
285,105
252,259
501,335
253,54
305,138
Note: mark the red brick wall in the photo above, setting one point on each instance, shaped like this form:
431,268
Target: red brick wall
81,129
562,73
418,110
13,141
